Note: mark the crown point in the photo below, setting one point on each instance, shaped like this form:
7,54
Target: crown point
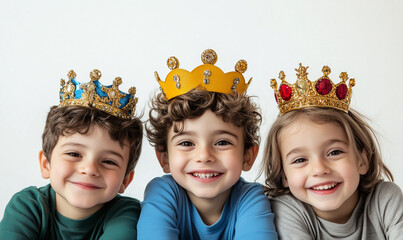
117,81
351,83
273,84
71,74
301,71
326,70
241,66
173,63
95,74
209,56
132,91
281,76
343,76
157,77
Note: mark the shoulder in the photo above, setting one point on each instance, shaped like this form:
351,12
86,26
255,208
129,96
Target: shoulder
287,206
123,206
384,207
244,187
163,185
389,188
250,194
33,195
289,211
385,195
123,201
286,201
27,214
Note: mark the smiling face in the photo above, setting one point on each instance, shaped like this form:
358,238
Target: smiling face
321,167
86,171
207,157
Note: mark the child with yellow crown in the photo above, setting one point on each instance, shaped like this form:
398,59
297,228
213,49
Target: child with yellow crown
90,146
205,132
324,172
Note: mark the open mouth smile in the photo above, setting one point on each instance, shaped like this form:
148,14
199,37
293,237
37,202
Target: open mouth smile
325,189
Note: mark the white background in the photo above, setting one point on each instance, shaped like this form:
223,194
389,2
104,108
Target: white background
40,41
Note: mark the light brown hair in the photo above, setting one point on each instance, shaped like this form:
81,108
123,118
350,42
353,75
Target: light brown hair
234,108
64,121
359,134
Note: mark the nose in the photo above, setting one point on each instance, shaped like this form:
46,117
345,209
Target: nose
319,167
89,167
205,154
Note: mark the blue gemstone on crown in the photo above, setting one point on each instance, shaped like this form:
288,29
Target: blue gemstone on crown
107,98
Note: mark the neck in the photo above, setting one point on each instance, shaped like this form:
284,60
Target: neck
210,209
72,212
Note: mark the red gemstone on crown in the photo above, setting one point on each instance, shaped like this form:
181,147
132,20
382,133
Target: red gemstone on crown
323,86
285,92
341,91
275,95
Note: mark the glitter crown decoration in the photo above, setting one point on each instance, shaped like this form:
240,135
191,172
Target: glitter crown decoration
321,93
93,94
206,76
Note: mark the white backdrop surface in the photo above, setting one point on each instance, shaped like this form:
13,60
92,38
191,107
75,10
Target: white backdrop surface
40,41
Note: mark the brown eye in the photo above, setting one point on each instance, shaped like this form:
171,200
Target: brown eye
299,160
109,162
335,152
223,143
74,154
186,143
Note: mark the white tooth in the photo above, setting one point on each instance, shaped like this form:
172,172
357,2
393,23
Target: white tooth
205,175
325,187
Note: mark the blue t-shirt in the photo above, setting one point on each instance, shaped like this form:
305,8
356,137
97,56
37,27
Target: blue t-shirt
168,213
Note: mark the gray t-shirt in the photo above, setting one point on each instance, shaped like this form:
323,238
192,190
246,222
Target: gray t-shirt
378,215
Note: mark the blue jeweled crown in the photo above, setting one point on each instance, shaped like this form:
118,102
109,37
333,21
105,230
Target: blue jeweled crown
93,94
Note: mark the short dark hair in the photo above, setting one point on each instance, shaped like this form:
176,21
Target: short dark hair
235,108
63,121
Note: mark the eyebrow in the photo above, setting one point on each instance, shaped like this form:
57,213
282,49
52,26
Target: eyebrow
192,133
74,144
328,142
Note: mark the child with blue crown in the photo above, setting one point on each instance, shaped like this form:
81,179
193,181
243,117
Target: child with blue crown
323,168
90,146
205,132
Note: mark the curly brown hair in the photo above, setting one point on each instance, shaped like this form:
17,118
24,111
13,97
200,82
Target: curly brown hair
358,132
234,108
64,121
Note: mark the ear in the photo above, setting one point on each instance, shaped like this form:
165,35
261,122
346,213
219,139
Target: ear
249,157
44,164
163,160
363,164
126,181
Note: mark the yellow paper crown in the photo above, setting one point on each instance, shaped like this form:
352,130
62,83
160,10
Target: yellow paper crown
304,93
206,76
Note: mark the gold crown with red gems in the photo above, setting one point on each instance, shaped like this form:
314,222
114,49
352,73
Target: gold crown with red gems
206,76
320,93
93,94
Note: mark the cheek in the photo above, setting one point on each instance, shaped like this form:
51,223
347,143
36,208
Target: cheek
61,170
295,178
